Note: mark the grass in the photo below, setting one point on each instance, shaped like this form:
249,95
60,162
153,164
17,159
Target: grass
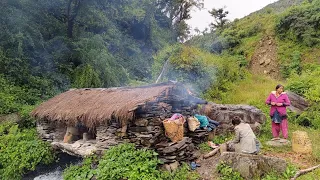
253,91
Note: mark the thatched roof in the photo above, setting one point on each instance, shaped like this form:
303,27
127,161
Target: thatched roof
95,105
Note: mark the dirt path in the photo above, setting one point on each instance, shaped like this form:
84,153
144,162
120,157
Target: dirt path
264,60
208,167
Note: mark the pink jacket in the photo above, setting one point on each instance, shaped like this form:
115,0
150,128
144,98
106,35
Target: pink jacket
283,98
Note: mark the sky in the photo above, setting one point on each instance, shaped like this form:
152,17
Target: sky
237,9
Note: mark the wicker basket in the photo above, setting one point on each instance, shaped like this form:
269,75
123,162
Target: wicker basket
193,123
174,129
301,142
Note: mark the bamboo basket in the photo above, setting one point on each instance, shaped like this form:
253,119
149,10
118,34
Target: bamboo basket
193,123
174,129
301,142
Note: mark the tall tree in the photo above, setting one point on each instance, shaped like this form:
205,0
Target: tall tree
179,12
220,18
72,12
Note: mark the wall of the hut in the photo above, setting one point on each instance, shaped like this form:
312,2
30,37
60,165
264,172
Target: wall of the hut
146,130
49,131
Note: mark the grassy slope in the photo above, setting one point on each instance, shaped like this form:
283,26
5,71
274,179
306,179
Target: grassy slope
254,89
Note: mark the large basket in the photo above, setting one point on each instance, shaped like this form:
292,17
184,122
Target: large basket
301,142
174,129
193,123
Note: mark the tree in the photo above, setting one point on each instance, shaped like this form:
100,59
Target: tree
220,18
179,12
72,12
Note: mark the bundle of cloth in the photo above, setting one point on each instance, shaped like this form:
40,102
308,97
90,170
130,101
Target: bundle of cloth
206,123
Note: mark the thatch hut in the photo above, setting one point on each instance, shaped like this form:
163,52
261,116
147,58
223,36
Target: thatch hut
114,115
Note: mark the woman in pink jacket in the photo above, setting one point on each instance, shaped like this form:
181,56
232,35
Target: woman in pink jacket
279,101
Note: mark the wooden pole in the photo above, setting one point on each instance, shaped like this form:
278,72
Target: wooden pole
304,171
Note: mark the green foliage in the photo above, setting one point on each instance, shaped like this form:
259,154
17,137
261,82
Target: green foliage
292,66
83,172
187,65
287,174
308,85
182,173
21,151
86,77
300,24
227,173
222,138
124,161
204,147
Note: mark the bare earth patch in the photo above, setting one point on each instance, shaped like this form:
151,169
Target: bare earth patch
207,170
264,60
303,161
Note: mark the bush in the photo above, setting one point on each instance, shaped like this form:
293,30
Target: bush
227,173
21,151
301,24
124,161
308,85
83,172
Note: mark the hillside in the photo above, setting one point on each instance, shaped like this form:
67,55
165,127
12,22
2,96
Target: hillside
279,44
50,46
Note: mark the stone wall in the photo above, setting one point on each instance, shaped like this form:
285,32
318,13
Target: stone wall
147,130
224,114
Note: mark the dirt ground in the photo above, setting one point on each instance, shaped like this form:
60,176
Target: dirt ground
303,161
264,59
208,167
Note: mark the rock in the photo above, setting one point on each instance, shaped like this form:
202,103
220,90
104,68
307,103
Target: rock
251,166
174,166
267,61
261,61
278,143
14,117
141,122
298,103
224,113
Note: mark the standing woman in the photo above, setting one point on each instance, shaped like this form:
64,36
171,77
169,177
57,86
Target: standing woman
279,101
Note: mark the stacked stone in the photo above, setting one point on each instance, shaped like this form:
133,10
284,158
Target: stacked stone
198,136
170,152
48,131
106,136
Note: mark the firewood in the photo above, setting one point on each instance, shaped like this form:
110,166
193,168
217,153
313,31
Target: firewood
211,153
304,171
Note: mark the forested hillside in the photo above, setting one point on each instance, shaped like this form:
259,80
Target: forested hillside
49,46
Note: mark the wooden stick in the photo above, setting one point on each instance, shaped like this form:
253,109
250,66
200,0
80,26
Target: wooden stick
304,171
211,153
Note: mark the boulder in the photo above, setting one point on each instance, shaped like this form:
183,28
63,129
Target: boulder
298,103
253,166
224,113
278,143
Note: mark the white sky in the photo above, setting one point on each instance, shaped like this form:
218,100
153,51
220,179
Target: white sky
236,8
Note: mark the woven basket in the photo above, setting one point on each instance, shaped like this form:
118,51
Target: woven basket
193,123
174,129
301,142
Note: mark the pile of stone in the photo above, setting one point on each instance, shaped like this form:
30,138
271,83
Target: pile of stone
170,152
147,130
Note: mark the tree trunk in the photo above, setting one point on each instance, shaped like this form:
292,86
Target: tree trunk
72,12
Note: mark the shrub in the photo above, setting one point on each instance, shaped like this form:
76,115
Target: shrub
83,172
227,173
124,161
21,151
